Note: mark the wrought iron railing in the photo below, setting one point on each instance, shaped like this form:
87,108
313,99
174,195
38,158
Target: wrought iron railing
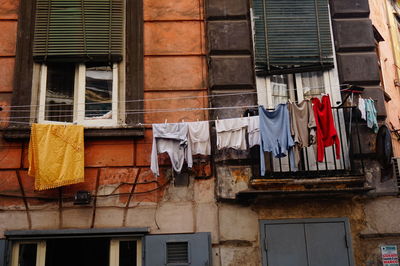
351,162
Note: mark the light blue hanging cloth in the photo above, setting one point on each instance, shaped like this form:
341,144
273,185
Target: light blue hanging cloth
275,134
372,121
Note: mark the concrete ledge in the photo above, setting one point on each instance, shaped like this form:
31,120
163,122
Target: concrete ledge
252,194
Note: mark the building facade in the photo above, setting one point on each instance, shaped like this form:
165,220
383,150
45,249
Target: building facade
198,60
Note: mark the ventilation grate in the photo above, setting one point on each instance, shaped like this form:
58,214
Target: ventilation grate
177,252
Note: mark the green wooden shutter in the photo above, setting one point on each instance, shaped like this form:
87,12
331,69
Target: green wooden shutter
292,35
78,31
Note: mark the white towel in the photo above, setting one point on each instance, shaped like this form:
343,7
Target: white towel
231,133
254,131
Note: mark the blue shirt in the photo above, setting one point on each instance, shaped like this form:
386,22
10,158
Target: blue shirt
275,134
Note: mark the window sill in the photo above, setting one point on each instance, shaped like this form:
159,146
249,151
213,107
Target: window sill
23,133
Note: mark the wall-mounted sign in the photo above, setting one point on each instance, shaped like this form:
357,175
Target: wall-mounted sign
389,255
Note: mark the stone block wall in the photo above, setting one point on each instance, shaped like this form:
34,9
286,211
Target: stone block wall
355,48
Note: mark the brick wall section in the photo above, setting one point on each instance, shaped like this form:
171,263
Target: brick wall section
174,66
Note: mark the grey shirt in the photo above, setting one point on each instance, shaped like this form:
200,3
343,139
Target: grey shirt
173,139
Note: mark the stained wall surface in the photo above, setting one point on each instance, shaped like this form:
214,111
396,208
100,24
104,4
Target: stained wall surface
383,19
174,67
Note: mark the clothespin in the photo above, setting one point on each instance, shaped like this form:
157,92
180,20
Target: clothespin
183,120
217,118
166,120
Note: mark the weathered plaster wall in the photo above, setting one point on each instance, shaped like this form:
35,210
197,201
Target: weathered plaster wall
319,208
174,66
381,20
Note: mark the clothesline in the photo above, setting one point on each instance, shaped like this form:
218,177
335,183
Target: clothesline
148,111
134,111
289,127
156,99
142,100
163,110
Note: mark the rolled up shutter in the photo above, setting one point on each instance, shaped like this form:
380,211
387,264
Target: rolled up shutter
78,31
292,35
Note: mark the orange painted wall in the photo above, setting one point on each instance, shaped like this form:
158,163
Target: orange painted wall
174,66
379,19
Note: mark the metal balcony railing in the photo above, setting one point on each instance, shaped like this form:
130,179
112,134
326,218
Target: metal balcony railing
350,163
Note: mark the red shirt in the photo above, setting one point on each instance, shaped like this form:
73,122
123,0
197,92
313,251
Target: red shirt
326,131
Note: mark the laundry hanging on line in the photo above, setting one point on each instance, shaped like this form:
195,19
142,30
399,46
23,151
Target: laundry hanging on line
326,131
56,155
284,131
369,113
302,126
275,134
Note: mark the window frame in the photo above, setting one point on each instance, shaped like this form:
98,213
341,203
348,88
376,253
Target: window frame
79,99
40,252
114,250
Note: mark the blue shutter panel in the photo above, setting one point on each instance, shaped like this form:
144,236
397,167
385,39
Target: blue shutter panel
311,242
292,34
326,244
3,252
286,245
179,249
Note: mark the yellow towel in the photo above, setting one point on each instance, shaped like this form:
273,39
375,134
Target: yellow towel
56,155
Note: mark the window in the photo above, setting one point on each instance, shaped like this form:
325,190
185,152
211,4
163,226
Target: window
306,242
293,51
294,60
92,247
79,252
79,46
81,61
82,93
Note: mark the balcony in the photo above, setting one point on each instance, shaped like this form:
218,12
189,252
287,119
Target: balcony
332,176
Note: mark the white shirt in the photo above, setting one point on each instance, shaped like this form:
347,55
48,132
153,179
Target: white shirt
199,134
